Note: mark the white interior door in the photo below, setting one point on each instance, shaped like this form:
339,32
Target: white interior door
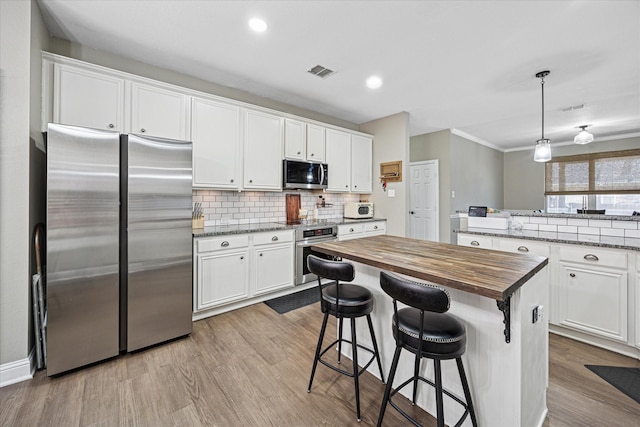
423,211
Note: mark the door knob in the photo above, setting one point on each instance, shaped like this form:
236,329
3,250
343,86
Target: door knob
411,212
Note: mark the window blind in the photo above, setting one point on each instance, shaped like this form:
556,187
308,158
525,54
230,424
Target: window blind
613,172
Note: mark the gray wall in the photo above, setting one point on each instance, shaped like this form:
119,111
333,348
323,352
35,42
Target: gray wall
22,35
524,178
390,143
476,175
473,171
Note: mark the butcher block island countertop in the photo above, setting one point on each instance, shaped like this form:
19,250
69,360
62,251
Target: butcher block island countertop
488,273
497,295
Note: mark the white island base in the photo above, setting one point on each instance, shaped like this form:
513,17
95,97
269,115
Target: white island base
508,381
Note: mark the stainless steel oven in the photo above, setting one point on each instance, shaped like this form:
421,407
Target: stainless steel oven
305,238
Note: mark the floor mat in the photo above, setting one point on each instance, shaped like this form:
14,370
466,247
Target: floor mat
627,380
295,300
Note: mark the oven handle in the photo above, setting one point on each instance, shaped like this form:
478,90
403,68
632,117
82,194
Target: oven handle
307,243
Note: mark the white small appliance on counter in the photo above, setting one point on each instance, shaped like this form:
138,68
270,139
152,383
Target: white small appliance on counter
358,210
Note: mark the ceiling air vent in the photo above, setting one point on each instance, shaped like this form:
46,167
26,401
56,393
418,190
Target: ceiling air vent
320,71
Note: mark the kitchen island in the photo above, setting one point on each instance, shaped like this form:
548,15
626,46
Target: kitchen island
494,293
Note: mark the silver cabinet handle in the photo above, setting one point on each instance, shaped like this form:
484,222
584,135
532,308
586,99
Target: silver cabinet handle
274,239
311,154
351,230
375,227
572,274
523,249
241,257
591,257
111,126
346,186
298,152
250,181
232,180
143,130
261,254
474,243
224,244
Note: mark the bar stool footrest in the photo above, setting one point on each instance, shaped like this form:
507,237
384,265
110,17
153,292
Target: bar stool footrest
342,371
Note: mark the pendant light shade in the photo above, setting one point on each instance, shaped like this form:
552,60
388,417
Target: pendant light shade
543,145
583,137
543,151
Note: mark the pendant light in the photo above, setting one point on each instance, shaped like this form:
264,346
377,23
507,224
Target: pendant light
583,137
543,145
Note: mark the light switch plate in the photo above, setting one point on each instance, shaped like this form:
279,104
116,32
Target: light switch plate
392,193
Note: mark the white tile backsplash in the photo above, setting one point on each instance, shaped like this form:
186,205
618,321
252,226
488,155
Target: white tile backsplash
578,222
254,206
632,233
630,225
567,229
557,221
589,230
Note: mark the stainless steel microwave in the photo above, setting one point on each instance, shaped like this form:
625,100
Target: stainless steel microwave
305,175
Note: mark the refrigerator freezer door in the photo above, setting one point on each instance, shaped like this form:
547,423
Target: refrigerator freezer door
82,246
159,240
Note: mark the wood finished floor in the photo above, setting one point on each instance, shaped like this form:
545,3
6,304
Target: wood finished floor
250,367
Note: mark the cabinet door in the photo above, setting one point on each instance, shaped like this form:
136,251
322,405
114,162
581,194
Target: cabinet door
217,149
315,143
361,159
594,300
222,278
85,98
273,268
158,111
294,140
263,134
350,231
338,154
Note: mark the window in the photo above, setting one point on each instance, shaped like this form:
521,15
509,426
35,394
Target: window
609,181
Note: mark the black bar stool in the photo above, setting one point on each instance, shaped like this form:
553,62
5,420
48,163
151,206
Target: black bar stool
343,300
426,330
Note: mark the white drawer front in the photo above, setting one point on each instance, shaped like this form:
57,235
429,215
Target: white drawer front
221,243
347,229
523,247
593,256
475,241
273,237
375,226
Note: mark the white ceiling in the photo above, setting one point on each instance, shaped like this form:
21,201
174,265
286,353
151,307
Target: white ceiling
465,65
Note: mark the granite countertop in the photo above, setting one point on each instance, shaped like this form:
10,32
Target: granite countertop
507,212
494,274
554,237
256,227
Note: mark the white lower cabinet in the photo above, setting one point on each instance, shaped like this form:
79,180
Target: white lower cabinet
221,270
235,268
272,258
593,292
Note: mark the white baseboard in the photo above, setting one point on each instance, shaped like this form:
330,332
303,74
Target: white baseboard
20,370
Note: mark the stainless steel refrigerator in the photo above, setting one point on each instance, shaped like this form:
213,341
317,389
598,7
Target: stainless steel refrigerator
119,261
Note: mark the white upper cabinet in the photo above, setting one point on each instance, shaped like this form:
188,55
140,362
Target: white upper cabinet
158,111
263,150
217,148
361,164
315,143
85,98
338,155
294,140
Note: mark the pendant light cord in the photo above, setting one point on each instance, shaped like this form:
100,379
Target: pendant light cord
542,85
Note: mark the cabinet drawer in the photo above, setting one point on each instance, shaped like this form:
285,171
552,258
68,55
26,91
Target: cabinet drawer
475,241
346,229
221,243
593,256
522,246
374,226
273,237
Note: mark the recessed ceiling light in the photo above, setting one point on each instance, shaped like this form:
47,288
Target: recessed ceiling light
258,25
374,82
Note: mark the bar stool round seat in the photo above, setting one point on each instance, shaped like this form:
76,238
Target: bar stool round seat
343,300
426,330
